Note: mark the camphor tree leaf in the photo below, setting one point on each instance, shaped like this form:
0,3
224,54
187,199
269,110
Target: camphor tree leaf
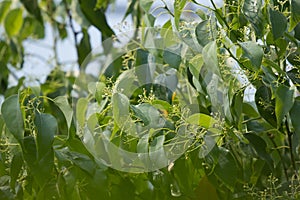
81,108
143,70
202,120
210,58
4,8
33,8
253,52
15,168
202,33
226,169
157,153
265,105
278,22
284,102
294,113
84,47
63,104
46,126
252,9
121,114
295,14
260,147
13,22
178,8
172,56
96,17
12,116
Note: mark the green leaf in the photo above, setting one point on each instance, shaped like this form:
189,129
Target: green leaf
284,102
172,57
96,88
13,22
294,113
294,75
15,168
77,14
265,105
178,8
4,8
157,154
207,190
146,4
143,70
252,9
121,114
96,17
202,33
278,22
46,126
297,31
195,65
29,151
202,120
12,116
210,57
81,108
63,104
253,52
295,14
226,169
260,147
148,114
33,8
84,48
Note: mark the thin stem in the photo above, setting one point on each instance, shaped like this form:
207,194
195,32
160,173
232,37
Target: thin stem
281,158
289,133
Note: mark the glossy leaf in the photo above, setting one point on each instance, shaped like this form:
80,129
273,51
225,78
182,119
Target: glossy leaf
265,105
278,22
202,120
15,169
144,71
33,8
120,104
96,17
210,58
12,116
226,169
295,14
260,147
84,47
81,108
13,22
294,113
172,57
179,6
284,102
4,8
63,104
202,33
253,12
253,52
46,129
157,154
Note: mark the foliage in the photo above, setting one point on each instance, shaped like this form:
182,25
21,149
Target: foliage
63,139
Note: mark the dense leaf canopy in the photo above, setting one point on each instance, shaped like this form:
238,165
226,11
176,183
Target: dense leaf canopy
189,101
